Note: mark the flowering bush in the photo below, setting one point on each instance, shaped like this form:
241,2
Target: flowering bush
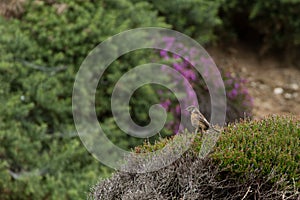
239,102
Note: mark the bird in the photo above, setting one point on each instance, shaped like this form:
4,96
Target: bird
198,120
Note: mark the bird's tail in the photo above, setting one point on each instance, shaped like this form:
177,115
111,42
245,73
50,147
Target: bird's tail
213,127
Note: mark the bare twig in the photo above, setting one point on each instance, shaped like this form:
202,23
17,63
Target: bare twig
247,193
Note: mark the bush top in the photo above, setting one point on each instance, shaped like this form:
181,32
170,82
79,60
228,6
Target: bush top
268,146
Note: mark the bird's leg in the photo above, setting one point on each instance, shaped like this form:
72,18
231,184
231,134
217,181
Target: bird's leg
196,130
201,132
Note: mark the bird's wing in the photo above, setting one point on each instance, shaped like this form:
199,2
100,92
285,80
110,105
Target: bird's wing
201,118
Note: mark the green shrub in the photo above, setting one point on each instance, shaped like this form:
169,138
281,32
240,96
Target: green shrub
275,23
267,146
41,156
195,18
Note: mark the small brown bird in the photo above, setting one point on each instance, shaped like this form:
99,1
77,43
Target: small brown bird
197,119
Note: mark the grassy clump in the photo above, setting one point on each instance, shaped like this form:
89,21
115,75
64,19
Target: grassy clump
252,160
268,146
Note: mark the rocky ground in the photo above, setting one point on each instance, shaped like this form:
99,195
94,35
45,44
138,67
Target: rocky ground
275,86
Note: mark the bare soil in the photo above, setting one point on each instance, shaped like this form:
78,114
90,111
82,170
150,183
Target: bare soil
274,85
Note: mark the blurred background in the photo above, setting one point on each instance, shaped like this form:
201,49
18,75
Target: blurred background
255,44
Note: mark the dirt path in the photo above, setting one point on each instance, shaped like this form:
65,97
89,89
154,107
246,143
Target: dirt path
275,87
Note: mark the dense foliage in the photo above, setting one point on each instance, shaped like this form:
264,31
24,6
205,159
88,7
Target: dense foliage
41,155
196,18
252,160
268,24
274,24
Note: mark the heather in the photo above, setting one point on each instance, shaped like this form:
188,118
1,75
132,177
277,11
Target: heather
239,100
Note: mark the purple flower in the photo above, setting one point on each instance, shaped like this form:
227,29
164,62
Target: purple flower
177,66
186,63
169,42
189,74
166,104
175,56
228,75
177,109
250,100
187,59
193,76
191,93
229,82
205,61
232,94
244,91
164,54
193,51
243,80
184,50
236,85
168,39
